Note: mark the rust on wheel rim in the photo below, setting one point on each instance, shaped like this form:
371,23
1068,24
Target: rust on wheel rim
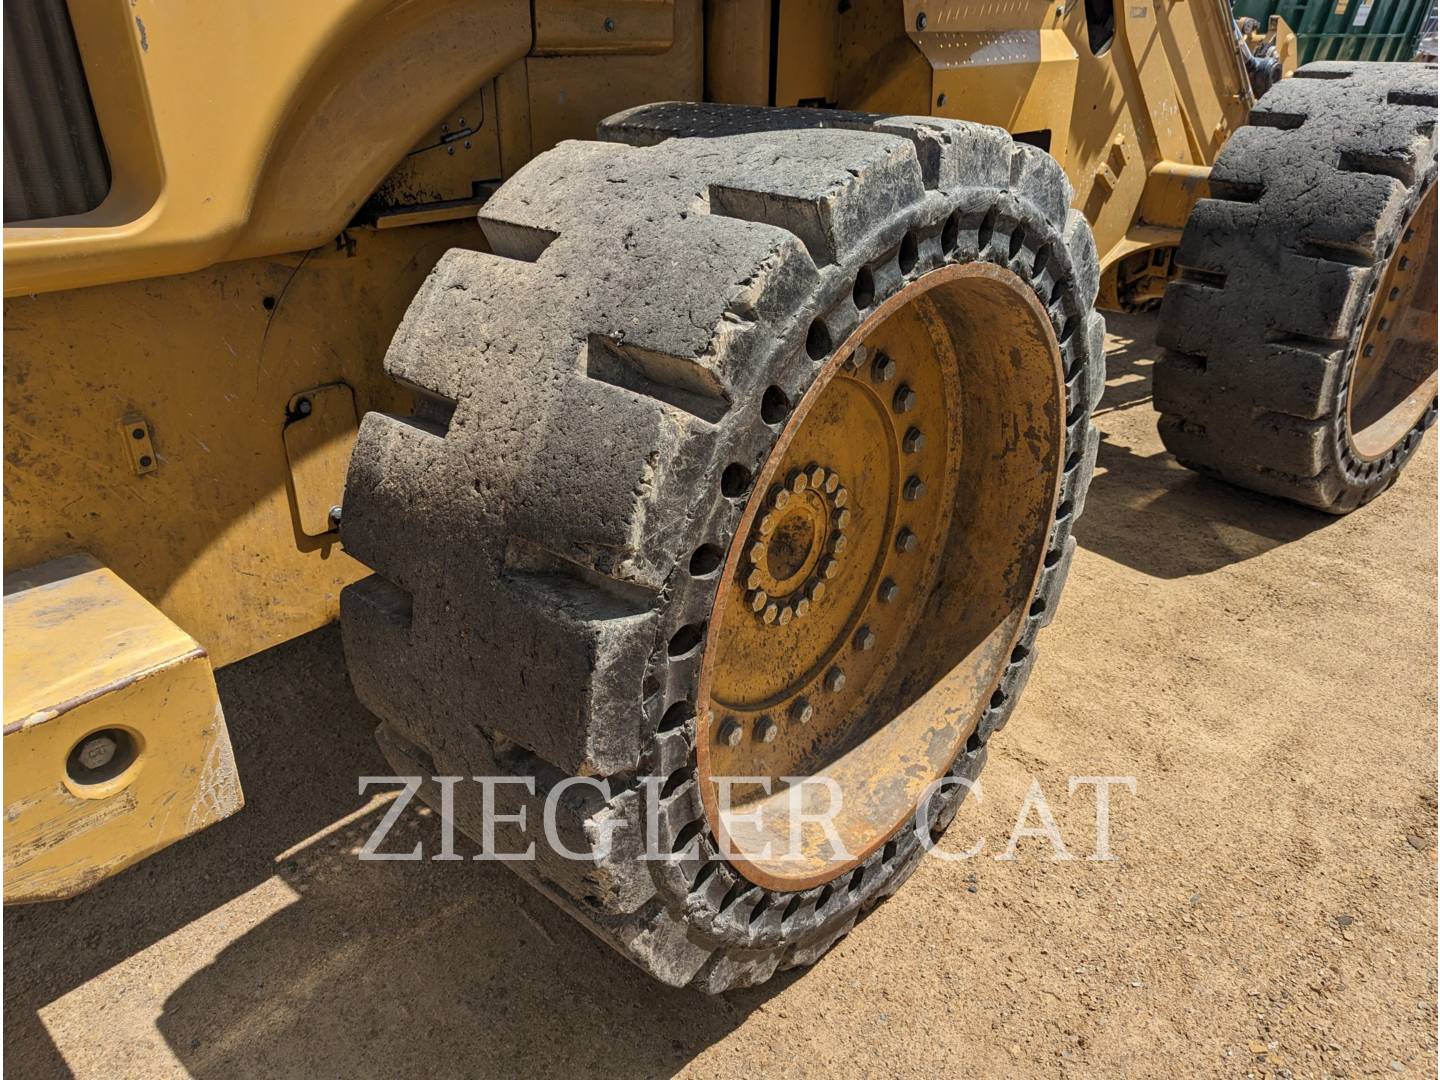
881,574
1393,379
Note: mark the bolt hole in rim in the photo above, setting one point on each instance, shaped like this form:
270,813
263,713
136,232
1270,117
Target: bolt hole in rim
893,663
1393,379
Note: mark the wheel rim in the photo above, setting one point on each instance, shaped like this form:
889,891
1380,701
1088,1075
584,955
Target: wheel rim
1393,380
881,573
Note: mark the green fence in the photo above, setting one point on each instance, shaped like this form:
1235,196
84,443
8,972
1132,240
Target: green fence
1346,29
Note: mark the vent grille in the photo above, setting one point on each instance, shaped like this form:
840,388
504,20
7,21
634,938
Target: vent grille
55,163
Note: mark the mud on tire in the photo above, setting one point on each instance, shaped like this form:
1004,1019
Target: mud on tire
591,408
1318,212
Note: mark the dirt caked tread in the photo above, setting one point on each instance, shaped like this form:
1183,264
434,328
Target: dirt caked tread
545,530
1278,272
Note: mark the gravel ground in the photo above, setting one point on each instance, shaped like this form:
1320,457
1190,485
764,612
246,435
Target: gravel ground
1266,674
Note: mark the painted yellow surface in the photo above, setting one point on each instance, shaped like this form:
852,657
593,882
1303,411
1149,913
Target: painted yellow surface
237,130
221,534
84,653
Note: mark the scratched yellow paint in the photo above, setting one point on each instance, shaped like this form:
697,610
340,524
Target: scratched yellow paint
84,652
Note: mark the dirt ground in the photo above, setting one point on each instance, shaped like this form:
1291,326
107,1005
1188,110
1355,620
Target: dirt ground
1266,674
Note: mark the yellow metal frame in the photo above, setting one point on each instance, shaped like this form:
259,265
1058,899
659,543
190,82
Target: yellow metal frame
85,653
185,364
247,129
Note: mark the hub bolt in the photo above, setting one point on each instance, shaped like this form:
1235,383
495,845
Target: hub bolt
835,680
730,733
97,751
865,639
802,712
883,369
914,441
905,541
889,591
914,488
904,399
766,729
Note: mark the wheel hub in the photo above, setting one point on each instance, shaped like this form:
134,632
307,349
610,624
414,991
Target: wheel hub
841,608
796,544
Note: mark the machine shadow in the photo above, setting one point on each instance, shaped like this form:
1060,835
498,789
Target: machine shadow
373,967
1148,511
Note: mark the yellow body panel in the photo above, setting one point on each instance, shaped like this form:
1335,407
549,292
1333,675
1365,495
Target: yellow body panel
217,534
246,129
85,653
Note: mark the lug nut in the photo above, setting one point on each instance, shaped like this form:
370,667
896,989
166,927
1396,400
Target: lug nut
841,518
832,482
858,357
865,639
835,680
841,497
888,591
815,591
786,614
802,712
757,551
914,488
766,524
757,599
753,579
781,499
730,733
772,612
914,441
817,476
883,369
904,399
766,729
798,482
905,541
97,752
828,568
802,607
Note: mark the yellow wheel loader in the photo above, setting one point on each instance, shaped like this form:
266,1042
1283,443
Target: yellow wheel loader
683,406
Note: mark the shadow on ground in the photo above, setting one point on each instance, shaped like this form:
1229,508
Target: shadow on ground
1147,511
371,968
